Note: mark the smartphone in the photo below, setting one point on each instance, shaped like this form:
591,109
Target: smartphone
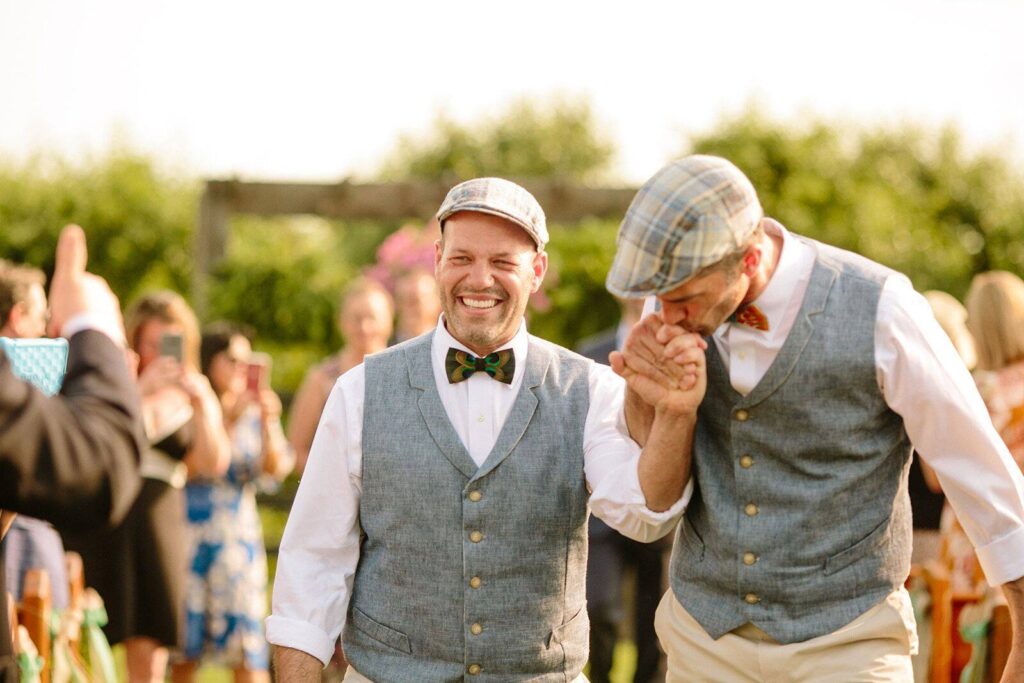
257,372
172,344
41,362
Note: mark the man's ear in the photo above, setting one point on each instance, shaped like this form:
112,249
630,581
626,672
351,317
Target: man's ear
438,249
540,268
751,260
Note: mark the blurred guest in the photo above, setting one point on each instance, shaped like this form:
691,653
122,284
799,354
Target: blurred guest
226,599
139,567
364,318
995,308
72,458
417,304
611,553
29,543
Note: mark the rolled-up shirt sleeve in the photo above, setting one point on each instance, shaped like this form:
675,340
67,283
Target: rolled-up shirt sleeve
320,547
611,459
925,382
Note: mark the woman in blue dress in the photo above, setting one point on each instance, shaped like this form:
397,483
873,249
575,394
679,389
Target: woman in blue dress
226,588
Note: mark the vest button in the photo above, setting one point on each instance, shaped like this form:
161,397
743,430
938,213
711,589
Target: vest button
473,669
746,462
476,536
742,415
749,558
751,599
750,509
475,582
476,629
475,496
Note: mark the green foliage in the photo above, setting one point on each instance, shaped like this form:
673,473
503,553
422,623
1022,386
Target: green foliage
560,138
910,198
138,219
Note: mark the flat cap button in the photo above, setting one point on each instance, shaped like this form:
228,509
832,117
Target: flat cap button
750,509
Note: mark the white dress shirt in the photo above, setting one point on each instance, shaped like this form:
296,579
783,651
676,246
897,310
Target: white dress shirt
320,548
924,381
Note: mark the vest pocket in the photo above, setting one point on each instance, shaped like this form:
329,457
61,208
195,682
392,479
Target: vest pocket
573,631
379,632
858,550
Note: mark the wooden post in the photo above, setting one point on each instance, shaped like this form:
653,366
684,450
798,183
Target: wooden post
36,604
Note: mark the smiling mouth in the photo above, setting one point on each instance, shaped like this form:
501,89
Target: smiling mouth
479,304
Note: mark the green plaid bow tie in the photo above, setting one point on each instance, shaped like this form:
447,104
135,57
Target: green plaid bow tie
461,365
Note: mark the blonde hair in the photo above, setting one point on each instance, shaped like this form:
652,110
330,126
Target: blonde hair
170,308
363,286
995,315
952,318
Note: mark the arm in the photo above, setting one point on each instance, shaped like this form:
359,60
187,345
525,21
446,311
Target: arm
320,547
210,453
276,457
1014,592
924,380
73,458
305,414
642,496
295,666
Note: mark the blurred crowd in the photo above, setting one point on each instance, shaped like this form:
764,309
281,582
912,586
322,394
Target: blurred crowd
184,575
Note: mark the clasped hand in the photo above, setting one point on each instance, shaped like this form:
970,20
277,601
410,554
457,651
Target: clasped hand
664,365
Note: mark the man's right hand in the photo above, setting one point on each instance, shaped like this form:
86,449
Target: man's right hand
663,365
73,291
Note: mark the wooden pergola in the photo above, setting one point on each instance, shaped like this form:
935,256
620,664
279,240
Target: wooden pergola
417,200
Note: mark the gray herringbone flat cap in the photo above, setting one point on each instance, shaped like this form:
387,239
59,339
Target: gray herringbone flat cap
498,197
691,214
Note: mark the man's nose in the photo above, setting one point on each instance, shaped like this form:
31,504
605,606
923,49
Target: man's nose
480,275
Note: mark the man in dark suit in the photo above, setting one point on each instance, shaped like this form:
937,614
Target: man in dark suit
611,553
71,459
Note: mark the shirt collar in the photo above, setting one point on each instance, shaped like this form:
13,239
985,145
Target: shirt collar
443,340
774,301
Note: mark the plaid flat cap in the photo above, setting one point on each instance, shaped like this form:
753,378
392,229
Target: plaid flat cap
691,214
498,197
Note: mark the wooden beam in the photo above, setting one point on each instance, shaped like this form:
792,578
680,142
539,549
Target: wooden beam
398,201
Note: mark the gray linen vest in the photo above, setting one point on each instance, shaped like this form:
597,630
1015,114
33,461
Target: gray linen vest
801,518
450,549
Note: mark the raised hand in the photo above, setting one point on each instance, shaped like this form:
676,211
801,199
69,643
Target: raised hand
663,365
74,291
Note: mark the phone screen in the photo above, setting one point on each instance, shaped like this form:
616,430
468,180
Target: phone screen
172,344
257,372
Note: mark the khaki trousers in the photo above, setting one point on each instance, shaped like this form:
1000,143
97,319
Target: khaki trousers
874,647
353,676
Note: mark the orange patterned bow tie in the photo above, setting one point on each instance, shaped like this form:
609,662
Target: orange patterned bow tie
751,316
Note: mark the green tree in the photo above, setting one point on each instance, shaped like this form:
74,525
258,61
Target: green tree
560,138
912,198
138,218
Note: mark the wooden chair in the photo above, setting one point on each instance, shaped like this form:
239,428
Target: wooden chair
34,613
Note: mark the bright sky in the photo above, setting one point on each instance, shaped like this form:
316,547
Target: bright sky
321,90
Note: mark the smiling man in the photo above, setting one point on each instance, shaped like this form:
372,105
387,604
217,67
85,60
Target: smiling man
442,519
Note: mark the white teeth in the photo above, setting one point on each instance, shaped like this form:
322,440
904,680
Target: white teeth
472,303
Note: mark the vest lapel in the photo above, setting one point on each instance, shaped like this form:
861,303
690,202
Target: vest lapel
537,361
822,277
421,377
